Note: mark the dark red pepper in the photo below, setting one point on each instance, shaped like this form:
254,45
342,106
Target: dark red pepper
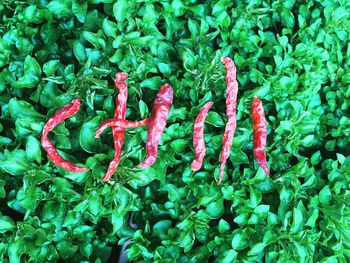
157,122
198,136
259,134
62,114
118,132
231,105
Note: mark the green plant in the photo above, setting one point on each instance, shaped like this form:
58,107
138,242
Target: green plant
294,55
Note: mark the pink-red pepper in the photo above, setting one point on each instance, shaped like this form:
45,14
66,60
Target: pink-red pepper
259,133
198,136
62,114
118,132
119,123
231,105
157,122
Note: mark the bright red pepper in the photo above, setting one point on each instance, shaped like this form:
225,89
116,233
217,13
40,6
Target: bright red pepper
198,136
231,105
259,134
119,123
157,122
118,132
62,114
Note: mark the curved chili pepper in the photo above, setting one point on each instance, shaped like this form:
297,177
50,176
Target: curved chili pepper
157,122
120,123
198,136
60,115
259,134
231,105
118,132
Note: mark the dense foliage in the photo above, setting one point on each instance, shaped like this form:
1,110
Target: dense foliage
294,55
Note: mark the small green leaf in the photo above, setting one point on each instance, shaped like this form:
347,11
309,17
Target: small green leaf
152,83
161,227
214,119
216,209
20,109
223,226
109,28
316,158
6,224
15,162
87,136
143,109
33,149
66,249
238,241
121,10
230,256
164,68
60,8
79,10
325,195
312,219
256,249
50,67
261,210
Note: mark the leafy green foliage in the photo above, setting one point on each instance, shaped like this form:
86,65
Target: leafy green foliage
293,54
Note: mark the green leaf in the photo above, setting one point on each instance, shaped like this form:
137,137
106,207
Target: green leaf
60,8
164,68
87,136
121,10
66,249
179,145
79,10
215,209
312,219
15,162
143,109
261,210
161,227
223,226
6,224
50,67
256,249
152,83
214,119
325,195
231,255
316,158
238,241
79,51
33,149
15,250
109,28
2,189
20,109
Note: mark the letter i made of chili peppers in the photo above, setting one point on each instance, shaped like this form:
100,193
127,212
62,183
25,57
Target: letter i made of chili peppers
231,106
259,133
60,115
118,132
157,122
198,136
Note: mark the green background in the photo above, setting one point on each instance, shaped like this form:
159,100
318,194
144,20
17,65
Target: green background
294,55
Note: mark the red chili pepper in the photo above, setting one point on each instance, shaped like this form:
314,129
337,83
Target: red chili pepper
118,132
120,123
259,134
157,122
198,137
231,105
62,114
